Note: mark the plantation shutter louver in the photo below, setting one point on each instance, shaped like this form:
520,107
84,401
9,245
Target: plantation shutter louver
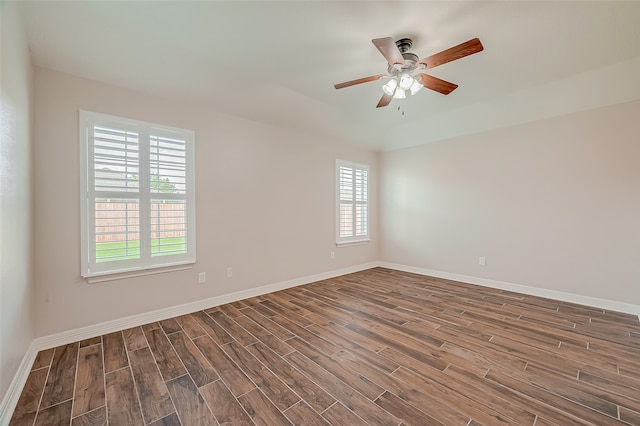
138,195
353,208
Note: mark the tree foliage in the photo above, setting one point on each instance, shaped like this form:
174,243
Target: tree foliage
162,184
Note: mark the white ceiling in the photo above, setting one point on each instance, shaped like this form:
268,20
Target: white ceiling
276,61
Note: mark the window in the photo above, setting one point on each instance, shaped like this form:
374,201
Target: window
352,202
137,195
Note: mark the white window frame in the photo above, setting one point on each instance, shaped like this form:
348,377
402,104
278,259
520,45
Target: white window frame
146,263
352,239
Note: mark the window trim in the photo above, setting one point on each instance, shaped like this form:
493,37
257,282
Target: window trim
351,240
134,267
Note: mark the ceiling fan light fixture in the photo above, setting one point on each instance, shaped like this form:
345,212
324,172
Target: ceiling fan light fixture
403,70
406,81
399,94
390,87
416,87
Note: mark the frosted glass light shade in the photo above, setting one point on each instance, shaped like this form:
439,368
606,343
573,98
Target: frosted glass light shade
416,87
399,94
390,87
406,81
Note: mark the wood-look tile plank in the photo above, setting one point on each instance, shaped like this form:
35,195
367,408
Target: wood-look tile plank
212,328
630,416
43,359
290,315
339,335
123,407
577,390
558,363
361,406
517,334
285,300
59,414
435,387
303,415
403,335
257,306
91,341
225,407
89,393
165,356
610,382
417,351
355,379
170,420
273,328
274,343
298,382
97,417
261,410
474,386
233,328
170,325
115,354
274,388
62,376
235,379
27,406
190,326
190,405
134,338
518,401
231,310
239,304
405,411
152,390
482,352
338,414
563,404
150,326
197,365
302,333
343,341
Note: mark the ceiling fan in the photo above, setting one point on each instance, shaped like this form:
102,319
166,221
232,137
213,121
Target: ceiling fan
404,68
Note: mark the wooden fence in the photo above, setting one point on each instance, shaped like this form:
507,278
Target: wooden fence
121,221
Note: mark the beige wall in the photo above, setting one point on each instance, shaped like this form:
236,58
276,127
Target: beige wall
16,331
265,206
552,204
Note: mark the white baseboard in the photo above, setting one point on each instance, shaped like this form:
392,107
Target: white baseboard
13,393
94,330
610,305
11,398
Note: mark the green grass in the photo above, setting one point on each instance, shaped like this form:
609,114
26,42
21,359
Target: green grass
121,250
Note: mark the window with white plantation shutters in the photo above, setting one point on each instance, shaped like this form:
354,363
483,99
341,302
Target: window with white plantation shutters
352,202
138,204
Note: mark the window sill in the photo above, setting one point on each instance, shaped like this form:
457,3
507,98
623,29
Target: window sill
352,243
113,276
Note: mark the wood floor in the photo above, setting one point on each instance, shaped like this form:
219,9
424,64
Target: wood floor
378,347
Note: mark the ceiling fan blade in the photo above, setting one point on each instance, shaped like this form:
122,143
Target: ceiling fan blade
434,83
384,100
389,50
460,51
358,81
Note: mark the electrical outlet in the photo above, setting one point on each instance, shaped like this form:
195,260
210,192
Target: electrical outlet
229,272
482,261
333,254
202,277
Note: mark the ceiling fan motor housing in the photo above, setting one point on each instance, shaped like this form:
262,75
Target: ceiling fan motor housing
410,59
404,44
